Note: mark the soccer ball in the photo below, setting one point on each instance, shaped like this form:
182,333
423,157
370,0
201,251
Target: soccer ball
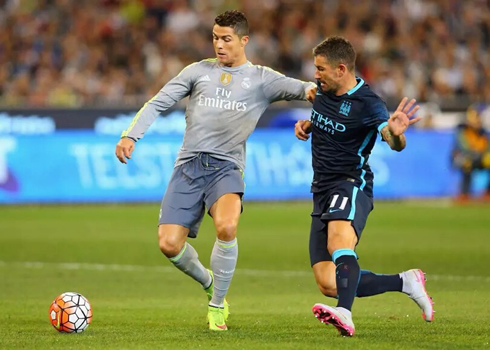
70,313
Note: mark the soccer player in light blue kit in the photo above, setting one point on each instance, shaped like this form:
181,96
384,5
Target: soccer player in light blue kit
227,96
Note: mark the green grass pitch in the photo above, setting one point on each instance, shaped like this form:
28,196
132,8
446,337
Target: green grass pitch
110,255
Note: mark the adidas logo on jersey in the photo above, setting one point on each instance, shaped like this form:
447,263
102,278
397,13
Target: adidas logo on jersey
204,78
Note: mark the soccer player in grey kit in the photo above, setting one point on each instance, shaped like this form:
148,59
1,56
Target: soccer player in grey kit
227,96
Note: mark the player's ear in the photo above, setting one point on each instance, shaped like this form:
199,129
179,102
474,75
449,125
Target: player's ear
341,70
244,40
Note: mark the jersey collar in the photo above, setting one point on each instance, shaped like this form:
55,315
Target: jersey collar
237,68
355,88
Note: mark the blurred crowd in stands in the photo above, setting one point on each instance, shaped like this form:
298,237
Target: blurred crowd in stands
121,52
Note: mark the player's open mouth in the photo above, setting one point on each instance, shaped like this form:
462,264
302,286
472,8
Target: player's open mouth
220,54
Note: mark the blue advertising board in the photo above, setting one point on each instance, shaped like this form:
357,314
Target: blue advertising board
80,166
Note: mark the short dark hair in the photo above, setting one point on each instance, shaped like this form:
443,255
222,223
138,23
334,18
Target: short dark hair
337,50
234,19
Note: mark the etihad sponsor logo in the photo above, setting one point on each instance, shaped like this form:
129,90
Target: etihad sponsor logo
325,123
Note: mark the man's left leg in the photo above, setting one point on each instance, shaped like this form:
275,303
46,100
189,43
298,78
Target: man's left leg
222,196
226,213
411,283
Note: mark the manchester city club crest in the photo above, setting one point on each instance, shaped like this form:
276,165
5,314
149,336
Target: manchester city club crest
345,108
246,83
225,78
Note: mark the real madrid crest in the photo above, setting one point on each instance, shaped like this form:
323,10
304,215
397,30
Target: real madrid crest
246,83
225,78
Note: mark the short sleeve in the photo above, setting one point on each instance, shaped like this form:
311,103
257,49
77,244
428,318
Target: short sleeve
378,115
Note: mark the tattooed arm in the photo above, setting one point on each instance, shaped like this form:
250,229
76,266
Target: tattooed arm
398,123
397,143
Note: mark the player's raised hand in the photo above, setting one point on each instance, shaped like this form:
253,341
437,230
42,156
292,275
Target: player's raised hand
301,129
311,93
124,148
403,117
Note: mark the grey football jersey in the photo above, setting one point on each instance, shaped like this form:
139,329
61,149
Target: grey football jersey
225,104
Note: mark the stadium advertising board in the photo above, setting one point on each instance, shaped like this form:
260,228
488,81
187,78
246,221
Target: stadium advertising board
81,167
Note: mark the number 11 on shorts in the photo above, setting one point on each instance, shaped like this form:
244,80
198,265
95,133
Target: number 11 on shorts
334,202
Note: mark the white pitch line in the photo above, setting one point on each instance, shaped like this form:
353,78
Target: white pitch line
159,269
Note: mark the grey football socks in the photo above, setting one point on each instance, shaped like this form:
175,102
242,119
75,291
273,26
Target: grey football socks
223,262
188,262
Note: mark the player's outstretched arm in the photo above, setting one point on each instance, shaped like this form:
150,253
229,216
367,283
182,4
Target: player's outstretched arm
398,123
278,87
175,90
311,93
124,148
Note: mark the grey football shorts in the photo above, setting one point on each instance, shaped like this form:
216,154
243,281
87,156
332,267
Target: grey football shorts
196,185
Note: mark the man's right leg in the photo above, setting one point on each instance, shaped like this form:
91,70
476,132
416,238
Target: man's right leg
172,241
321,259
181,213
341,242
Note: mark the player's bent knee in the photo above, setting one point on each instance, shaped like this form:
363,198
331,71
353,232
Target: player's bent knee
341,235
325,279
328,290
169,245
226,229
337,234
327,287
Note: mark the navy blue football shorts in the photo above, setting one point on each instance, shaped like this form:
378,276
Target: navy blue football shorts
196,185
344,201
